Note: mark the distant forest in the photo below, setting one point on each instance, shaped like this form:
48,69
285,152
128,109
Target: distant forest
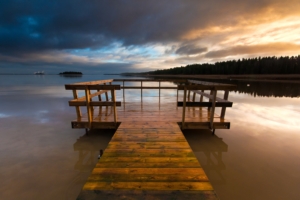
265,65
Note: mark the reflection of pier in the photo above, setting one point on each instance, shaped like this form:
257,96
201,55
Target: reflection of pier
88,147
212,147
148,156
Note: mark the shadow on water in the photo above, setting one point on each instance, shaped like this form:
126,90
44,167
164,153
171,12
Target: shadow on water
208,149
88,147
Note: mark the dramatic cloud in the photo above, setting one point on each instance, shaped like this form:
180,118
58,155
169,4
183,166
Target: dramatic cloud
255,49
190,49
145,34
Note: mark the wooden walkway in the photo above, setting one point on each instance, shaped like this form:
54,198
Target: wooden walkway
148,156
148,160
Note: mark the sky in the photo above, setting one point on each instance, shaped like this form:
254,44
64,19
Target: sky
115,36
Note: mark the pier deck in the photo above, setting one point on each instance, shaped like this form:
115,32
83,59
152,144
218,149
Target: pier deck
148,160
148,156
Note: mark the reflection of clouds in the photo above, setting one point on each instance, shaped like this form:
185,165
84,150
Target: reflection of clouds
42,116
54,91
3,115
265,113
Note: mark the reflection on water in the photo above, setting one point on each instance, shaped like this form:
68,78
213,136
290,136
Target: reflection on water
88,146
43,158
266,89
212,147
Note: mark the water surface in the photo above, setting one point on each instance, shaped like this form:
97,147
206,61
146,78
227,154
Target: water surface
43,158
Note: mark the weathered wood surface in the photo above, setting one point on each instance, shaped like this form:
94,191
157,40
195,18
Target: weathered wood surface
148,160
137,112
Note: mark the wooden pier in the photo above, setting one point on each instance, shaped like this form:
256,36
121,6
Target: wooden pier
148,156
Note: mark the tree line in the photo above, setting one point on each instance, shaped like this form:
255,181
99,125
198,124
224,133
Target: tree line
265,65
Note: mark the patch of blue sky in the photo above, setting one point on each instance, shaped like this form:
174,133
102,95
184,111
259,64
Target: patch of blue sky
2,115
117,53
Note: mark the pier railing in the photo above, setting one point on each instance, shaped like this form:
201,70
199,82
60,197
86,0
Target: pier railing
199,87
95,89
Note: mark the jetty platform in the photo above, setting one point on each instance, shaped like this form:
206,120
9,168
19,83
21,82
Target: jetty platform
148,157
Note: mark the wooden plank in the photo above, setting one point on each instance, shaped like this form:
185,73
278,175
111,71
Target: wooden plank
226,94
147,194
148,164
82,85
151,80
78,111
94,103
149,171
148,145
148,186
147,87
149,159
104,87
148,177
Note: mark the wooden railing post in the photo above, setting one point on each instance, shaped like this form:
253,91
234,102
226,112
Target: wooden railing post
226,94
123,91
113,96
78,111
212,110
159,90
183,109
141,90
88,107
99,96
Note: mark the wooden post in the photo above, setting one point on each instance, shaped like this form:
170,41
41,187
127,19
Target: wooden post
226,94
194,96
99,96
201,97
106,95
123,91
92,108
78,111
210,100
88,107
141,90
212,110
159,90
113,96
177,93
183,108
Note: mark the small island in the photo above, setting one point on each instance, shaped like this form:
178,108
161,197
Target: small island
70,74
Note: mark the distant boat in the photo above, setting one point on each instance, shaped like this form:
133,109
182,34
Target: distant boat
39,73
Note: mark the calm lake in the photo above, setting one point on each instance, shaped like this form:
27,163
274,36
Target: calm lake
42,157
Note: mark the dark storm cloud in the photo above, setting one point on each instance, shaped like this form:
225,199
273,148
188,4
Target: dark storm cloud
71,24
138,33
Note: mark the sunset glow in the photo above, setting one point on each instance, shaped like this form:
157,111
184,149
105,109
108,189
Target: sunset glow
142,36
